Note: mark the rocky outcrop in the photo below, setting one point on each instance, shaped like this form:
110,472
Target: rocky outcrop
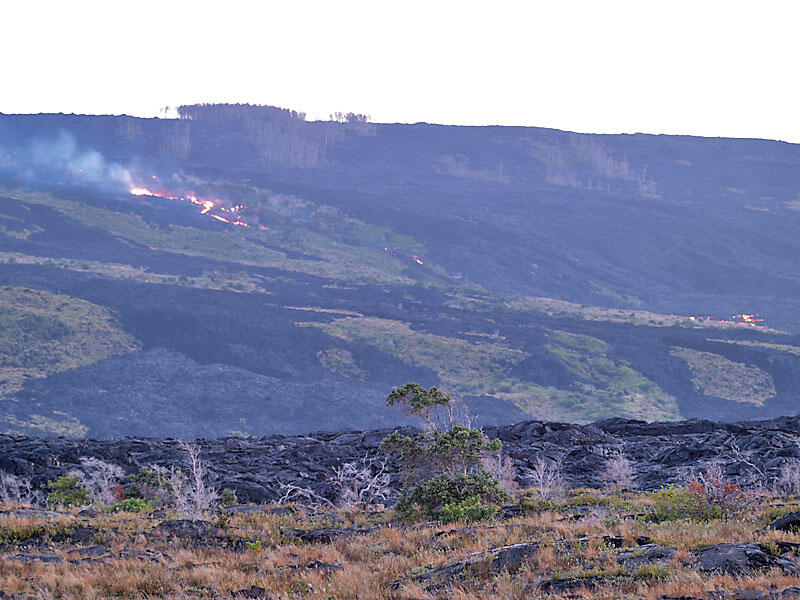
255,468
741,559
790,522
497,560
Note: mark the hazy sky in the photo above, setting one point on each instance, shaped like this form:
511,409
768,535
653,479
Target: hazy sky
698,67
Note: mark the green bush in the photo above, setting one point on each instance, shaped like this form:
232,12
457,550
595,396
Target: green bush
228,497
442,465
428,498
67,491
535,503
145,484
468,510
132,505
673,503
19,534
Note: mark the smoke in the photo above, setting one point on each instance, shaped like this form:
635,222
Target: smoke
63,154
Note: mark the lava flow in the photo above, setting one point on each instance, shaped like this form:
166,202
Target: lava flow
207,206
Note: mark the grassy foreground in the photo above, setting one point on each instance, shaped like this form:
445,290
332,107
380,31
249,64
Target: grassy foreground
291,552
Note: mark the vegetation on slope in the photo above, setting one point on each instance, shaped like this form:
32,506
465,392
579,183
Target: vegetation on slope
607,387
718,376
43,333
253,247
590,544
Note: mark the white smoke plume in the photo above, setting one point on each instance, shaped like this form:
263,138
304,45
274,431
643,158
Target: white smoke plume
63,154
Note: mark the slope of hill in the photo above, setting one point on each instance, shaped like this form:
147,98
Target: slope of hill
247,272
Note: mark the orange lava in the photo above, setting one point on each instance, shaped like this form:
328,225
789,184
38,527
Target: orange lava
206,206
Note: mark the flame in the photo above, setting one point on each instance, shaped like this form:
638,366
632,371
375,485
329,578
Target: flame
206,206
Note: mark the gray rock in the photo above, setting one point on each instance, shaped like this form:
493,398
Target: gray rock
649,554
498,560
739,559
31,557
255,467
187,529
790,522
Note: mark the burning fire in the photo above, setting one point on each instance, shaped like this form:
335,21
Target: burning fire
750,320
404,255
745,319
207,206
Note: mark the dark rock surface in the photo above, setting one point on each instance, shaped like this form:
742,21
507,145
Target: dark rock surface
790,522
255,468
741,559
498,560
649,554
31,557
791,592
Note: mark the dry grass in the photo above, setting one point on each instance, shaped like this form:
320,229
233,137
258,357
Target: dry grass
143,565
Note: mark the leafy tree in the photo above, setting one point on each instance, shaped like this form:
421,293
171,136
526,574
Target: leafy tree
442,465
67,491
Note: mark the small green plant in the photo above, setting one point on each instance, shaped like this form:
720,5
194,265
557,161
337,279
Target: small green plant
672,503
536,503
67,491
144,484
255,546
709,496
228,497
651,572
469,510
18,534
133,505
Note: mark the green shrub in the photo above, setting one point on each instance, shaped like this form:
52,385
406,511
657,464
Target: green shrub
145,484
228,497
18,534
587,499
67,491
536,503
468,510
132,505
443,464
673,503
709,496
428,498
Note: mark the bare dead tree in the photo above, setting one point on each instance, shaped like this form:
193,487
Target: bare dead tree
502,467
362,482
187,490
295,493
18,490
100,478
546,478
788,483
759,473
619,474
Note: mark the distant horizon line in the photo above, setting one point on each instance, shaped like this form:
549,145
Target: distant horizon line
328,120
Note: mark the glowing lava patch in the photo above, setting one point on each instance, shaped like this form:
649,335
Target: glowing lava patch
206,206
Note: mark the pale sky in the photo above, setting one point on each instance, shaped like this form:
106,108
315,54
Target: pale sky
700,67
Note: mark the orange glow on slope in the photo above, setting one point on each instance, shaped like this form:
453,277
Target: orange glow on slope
206,206
751,320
